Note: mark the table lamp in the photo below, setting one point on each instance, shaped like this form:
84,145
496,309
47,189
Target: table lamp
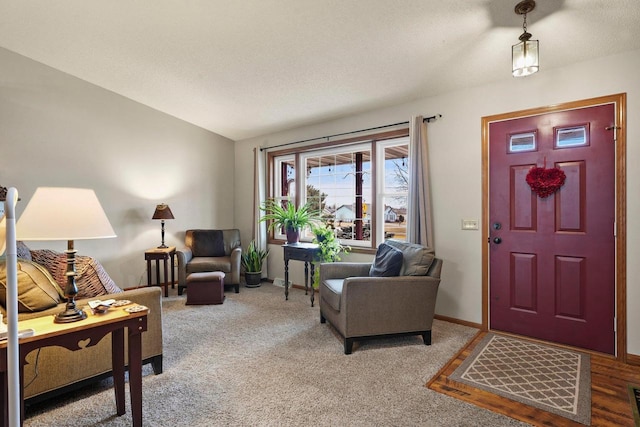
163,211
65,214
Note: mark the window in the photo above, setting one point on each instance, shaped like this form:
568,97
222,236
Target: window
358,187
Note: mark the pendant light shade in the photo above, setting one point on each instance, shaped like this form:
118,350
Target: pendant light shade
525,55
525,58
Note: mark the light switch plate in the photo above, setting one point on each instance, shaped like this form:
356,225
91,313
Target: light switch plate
470,224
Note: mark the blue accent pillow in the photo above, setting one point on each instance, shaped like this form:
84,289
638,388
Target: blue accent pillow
387,263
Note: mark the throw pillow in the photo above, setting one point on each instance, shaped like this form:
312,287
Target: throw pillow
387,263
417,258
23,251
91,278
208,243
37,290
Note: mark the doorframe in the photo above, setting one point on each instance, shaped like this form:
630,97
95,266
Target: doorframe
620,102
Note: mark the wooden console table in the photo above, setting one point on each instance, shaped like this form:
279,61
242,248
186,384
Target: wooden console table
69,336
157,255
307,252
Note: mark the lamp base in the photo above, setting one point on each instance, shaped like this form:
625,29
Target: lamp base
163,246
70,315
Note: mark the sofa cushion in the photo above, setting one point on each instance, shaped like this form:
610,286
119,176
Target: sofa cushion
204,263
387,263
333,292
416,258
37,290
208,243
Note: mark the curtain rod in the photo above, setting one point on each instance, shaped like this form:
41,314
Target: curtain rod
426,119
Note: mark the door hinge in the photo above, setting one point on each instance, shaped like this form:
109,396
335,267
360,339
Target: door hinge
615,229
615,324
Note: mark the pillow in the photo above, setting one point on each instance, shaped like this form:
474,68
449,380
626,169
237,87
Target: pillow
23,251
37,290
208,243
91,278
417,258
387,263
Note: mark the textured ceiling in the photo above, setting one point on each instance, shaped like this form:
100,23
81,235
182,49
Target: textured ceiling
243,68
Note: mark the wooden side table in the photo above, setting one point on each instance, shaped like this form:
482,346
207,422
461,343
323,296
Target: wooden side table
307,252
157,255
69,335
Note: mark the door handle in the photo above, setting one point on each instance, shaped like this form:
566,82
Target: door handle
497,240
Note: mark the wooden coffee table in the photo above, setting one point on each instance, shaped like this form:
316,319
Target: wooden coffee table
69,335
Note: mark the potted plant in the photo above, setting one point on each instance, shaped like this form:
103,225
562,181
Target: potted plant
330,248
251,261
287,217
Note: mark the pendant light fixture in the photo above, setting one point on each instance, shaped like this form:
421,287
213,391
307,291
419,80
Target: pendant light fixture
525,55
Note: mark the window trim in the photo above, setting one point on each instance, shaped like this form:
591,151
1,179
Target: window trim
296,152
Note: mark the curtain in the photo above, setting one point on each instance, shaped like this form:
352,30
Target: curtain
259,195
420,226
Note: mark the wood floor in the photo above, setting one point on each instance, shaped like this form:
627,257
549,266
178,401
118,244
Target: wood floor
609,393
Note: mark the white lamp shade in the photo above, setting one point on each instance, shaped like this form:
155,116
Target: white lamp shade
525,58
63,214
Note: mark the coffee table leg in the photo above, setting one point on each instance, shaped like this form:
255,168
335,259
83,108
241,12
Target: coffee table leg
117,360
135,375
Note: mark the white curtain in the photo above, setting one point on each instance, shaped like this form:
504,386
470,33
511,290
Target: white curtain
420,226
259,195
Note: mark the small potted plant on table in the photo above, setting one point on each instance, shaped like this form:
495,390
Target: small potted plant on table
287,217
251,261
330,248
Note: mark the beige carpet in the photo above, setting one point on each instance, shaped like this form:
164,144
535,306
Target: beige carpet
258,360
546,377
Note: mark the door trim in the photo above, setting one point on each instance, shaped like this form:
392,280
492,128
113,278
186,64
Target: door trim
620,102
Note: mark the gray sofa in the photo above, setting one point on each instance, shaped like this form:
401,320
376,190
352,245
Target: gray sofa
55,370
363,307
210,250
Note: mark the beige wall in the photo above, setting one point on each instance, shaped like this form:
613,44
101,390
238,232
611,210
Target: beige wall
57,130
455,155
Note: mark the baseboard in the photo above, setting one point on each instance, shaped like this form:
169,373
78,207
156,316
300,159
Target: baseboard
458,321
633,359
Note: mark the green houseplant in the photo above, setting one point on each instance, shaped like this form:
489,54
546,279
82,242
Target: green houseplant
287,217
251,261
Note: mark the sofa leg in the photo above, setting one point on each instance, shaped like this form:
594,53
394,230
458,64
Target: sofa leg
348,345
322,318
237,288
426,336
156,364
180,289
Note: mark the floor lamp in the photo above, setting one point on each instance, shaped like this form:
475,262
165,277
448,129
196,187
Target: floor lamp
65,214
8,239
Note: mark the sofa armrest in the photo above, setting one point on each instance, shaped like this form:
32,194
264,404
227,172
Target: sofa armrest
341,270
150,297
184,255
236,257
381,305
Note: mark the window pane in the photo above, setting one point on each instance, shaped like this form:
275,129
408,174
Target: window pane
571,137
339,185
522,142
395,192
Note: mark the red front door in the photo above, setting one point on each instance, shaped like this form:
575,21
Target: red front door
552,259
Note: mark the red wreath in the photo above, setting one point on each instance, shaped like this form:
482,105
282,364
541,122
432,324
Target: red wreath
544,181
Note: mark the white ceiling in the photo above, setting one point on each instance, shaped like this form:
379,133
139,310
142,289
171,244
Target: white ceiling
243,68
